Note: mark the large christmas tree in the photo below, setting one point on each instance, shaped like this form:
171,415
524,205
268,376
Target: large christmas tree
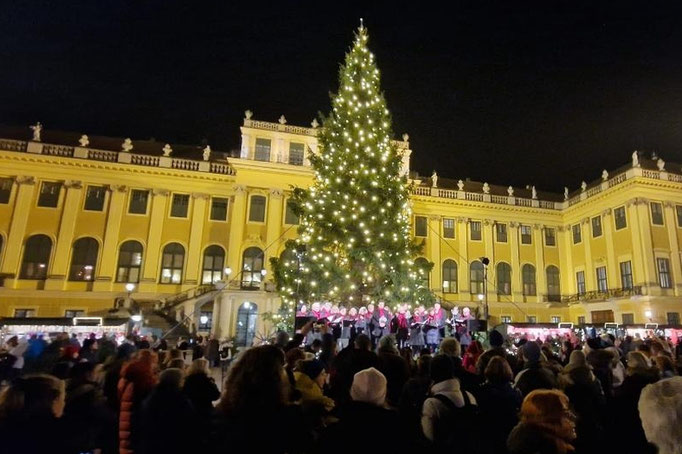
354,244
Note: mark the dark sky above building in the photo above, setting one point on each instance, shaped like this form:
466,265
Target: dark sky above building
543,93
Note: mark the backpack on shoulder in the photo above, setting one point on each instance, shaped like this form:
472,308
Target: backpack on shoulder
459,428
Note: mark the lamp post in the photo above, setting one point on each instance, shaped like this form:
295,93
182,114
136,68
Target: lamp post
485,261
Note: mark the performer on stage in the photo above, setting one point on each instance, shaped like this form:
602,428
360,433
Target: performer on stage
335,320
347,327
316,310
361,321
381,319
402,327
370,322
417,320
439,319
431,330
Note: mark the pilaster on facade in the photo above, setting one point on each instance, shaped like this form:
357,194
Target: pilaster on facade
107,269
541,273
275,217
194,252
17,229
488,238
236,235
675,259
150,269
516,278
644,244
463,262
433,248
67,225
590,270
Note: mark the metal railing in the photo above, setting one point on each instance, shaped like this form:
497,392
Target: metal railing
600,295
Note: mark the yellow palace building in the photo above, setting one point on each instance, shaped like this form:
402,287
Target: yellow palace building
88,224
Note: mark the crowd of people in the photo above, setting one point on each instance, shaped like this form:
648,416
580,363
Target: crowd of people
555,396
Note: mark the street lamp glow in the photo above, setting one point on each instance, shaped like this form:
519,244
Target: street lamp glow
480,296
263,272
130,286
203,319
228,271
647,314
136,318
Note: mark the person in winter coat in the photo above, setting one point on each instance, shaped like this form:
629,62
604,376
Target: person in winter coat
587,402
534,375
545,425
138,377
30,412
310,378
201,390
601,361
256,396
625,420
474,351
496,341
452,349
499,404
412,399
393,367
660,409
87,409
348,363
436,408
365,413
167,411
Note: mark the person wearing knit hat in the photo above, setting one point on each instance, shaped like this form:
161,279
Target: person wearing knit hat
369,386
660,409
534,375
364,419
310,378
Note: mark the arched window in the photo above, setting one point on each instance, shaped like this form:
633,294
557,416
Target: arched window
449,276
252,265
553,284
36,257
84,259
246,324
503,279
172,263
129,262
422,266
476,276
528,274
214,259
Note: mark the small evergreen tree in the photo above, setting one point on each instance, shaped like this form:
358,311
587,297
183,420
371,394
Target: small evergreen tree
354,243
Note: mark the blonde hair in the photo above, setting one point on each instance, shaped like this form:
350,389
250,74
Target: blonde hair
199,365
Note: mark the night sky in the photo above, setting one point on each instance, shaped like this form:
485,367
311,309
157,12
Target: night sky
504,92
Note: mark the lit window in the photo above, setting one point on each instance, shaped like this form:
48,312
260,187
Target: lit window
664,272
580,282
449,276
528,275
526,234
214,260
36,257
172,263
626,275
448,228
84,259
296,153
602,284
262,150
129,262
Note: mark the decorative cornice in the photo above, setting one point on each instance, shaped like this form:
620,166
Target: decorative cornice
585,221
25,179
276,192
117,188
201,195
606,212
669,204
487,221
239,188
73,184
435,217
514,224
160,191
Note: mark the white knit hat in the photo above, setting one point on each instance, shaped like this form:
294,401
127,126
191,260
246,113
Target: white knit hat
369,386
660,409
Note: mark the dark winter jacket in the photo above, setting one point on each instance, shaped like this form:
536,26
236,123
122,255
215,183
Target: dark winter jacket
89,418
346,364
533,377
366,425
202,391
499,404
531,439
397,372
168,423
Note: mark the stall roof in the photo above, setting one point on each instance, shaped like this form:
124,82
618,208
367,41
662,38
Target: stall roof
56,321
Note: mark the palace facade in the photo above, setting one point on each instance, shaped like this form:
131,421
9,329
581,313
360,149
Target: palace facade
82,218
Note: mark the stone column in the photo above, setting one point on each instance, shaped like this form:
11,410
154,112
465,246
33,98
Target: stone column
245,152
23,201
488,231
150,269
109,256
236,235
70,210
613,267
642,252
541,274
671,227
590,270
517,289
273,224
433,249
195,250
564,238
463,282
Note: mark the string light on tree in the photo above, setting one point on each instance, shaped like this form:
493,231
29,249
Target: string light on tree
361,249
